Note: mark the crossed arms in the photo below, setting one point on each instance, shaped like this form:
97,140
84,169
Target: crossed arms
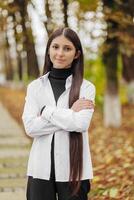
52,119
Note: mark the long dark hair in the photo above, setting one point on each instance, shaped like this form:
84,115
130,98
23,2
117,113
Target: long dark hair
76,142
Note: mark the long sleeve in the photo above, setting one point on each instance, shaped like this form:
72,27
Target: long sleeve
34,124
69,120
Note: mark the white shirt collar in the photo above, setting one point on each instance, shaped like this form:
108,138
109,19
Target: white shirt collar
44,79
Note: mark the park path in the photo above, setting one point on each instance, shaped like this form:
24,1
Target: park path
14,150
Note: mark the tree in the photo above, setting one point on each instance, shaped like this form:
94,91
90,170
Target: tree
25,39
18,51
5,46
121,14
48,23
8,63
127,50
65,9
112,107
28,40
128,75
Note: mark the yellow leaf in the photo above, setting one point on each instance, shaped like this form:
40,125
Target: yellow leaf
109,159
96,179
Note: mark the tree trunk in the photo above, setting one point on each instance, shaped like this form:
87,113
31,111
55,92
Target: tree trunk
112,107
33,68
8,63
48,22
2,50
65,6
128,75
19,60
128,67
20,70
28,42
112,110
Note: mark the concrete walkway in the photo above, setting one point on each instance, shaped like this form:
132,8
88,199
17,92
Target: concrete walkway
14,150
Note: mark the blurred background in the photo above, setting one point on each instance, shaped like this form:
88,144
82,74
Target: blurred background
106,30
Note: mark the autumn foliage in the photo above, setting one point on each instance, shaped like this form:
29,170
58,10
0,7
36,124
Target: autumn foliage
112,149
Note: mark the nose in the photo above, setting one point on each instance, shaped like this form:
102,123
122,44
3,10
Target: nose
60,52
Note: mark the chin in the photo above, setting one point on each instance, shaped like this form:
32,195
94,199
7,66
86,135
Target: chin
58,66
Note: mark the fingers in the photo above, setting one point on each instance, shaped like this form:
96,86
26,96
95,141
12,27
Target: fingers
84,104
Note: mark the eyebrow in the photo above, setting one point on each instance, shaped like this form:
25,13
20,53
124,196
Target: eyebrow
66,45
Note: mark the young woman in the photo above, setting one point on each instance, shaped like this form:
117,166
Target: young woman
57,113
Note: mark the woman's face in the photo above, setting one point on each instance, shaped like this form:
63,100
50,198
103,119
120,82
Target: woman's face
62,52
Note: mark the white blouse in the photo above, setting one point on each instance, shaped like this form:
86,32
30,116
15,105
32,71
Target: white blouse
58,119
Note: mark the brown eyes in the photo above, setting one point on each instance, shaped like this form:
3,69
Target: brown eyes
65,48
68,49
55,47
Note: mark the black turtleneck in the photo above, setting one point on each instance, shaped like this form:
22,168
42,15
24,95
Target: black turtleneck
57,79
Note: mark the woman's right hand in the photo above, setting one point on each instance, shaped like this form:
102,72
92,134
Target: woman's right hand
81,104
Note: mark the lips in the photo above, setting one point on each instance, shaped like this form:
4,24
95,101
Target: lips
59,60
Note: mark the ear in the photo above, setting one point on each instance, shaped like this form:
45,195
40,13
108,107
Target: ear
77,54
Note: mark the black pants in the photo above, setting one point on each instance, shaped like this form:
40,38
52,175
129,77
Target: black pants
38,189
